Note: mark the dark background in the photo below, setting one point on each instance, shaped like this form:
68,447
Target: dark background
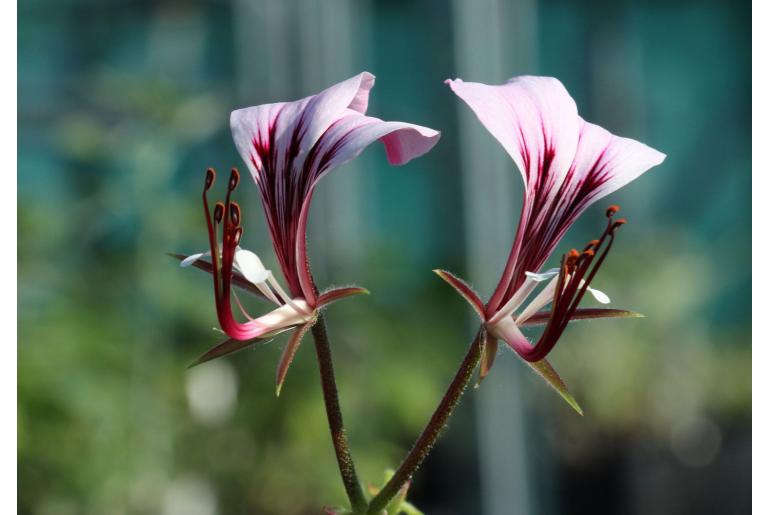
122,106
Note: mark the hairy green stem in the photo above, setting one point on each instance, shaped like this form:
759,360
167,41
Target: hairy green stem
339,436
433,429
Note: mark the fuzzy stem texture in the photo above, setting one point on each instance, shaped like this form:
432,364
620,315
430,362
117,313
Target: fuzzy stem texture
339,436
433,429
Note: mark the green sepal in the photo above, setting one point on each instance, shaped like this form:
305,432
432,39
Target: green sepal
544,369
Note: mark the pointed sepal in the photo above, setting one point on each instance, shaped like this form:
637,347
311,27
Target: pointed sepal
544,369
334,294
231,346
225,348
465,290
541,318
288,354
488,355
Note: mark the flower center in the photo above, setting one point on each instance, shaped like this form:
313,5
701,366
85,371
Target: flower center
230,255
565,291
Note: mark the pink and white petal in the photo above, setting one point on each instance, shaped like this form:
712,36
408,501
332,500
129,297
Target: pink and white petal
541,300
507,330
534,119
525,290
250,266
294,313
253,128
304,277
604,162
328,106
350,135
278,320
343,141
293,128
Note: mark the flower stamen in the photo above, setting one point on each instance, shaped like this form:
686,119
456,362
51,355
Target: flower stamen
577,271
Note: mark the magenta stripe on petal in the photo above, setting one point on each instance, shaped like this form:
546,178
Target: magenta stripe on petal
289,146
567,164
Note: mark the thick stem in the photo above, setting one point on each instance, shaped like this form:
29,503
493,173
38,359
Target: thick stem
432,431
331,400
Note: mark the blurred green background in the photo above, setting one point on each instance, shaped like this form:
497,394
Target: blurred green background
122,106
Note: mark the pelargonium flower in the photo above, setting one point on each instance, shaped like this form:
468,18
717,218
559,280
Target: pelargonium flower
288,147
567,164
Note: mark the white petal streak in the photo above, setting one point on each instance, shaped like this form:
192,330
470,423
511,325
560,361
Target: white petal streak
518,298
544,276
287,315
255,272
189,260
540,301
250,266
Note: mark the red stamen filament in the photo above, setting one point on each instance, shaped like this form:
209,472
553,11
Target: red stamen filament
230,214
575,277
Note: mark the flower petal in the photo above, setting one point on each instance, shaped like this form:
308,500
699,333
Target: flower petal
289,146
541,300
281,318
192,258
533,118
325,108
524,291
351,134
543,276
251,266
605,162
567,164
237,278
507,330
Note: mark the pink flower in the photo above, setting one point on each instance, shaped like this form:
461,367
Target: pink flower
567,164
288,147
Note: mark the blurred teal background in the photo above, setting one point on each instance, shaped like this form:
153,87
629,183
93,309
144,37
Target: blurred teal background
122,106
